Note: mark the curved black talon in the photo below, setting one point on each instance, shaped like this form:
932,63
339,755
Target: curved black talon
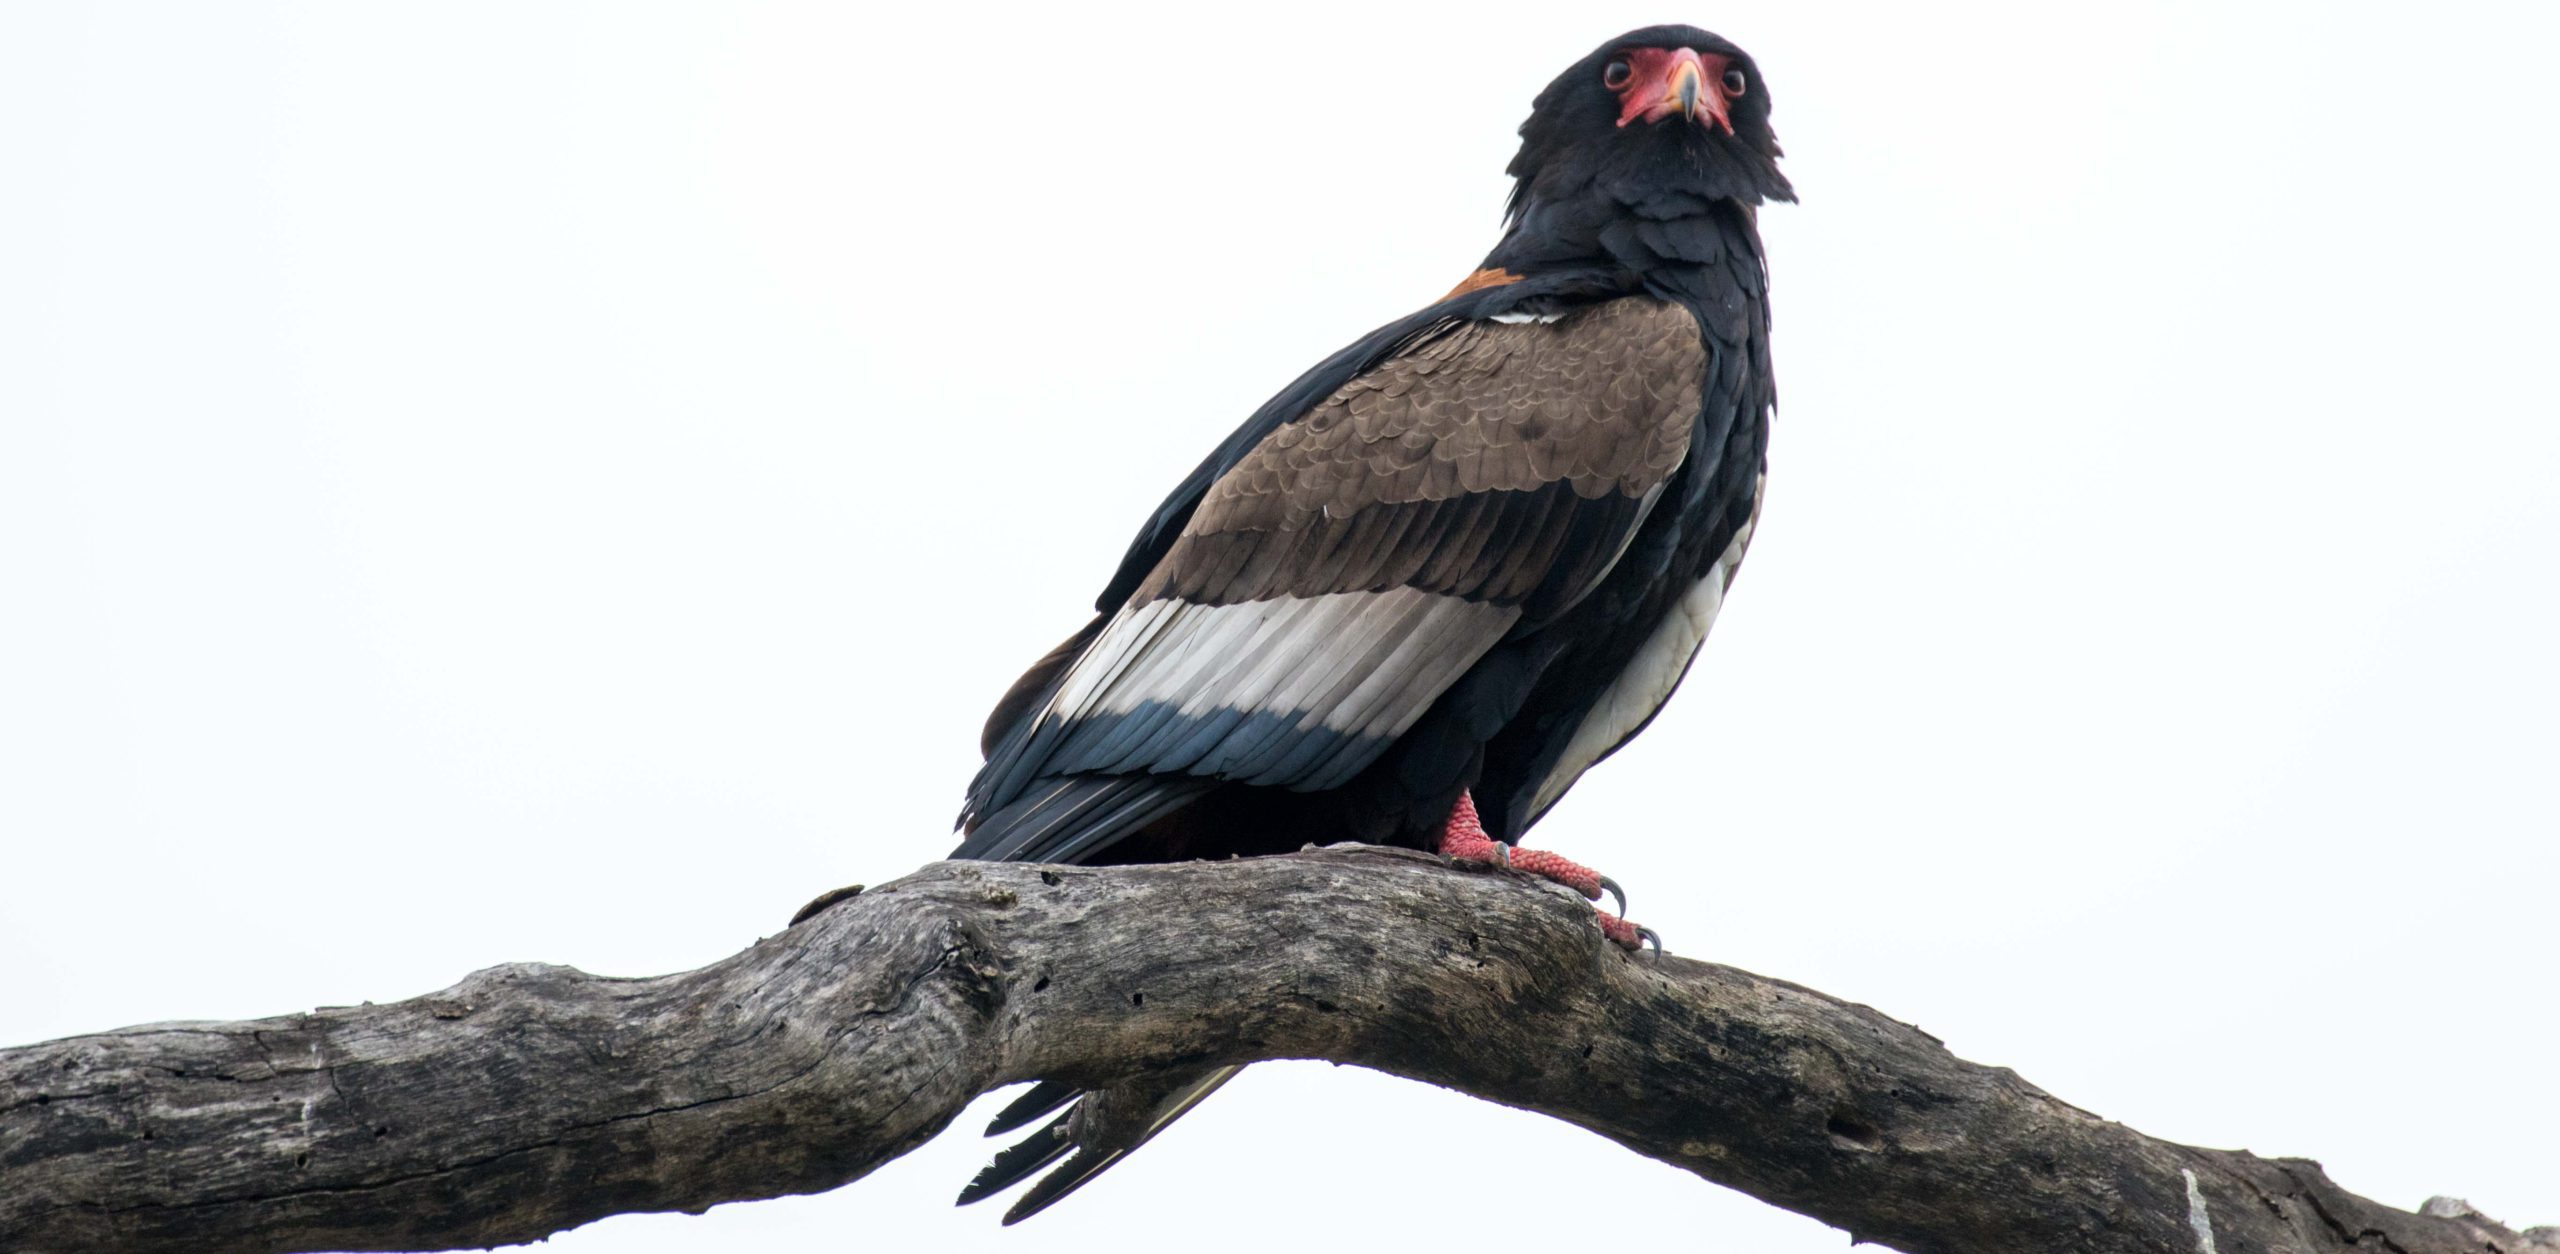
1650,937
1610,887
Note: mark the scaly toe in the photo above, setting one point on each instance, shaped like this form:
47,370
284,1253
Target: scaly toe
1562,870
1625,935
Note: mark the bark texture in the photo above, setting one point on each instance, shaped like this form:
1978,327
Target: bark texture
528,1098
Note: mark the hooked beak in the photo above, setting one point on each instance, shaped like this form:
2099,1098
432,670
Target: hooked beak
1689,88
1688,80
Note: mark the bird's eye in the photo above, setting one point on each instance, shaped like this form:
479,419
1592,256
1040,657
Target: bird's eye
1617,74
1734,82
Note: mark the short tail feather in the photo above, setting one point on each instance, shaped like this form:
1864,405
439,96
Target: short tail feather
1073,819
1046,1096
1101,1130
1018,1160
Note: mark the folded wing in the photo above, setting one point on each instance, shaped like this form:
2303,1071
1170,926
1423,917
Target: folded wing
1346,569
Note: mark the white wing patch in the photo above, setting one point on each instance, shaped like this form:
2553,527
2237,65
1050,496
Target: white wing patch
1650,675
1358,663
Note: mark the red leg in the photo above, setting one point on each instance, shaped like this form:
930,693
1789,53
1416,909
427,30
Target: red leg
1466,840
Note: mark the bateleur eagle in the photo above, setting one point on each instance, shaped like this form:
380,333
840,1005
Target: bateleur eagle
1439,576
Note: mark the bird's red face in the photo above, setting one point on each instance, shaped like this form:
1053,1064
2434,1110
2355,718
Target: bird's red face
1657,83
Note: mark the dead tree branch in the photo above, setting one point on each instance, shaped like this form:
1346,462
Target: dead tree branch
528,1099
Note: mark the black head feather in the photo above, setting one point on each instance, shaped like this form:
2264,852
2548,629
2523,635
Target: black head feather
1582,179
1572,138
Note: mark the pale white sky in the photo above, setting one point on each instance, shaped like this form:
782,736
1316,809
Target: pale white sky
487,482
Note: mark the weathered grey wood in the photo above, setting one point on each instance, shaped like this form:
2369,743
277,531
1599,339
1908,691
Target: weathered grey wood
528,1099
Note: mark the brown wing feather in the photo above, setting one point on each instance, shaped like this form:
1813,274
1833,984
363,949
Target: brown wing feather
1446,469
1353,565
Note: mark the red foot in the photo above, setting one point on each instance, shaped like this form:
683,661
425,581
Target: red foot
1465,839
1624,935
